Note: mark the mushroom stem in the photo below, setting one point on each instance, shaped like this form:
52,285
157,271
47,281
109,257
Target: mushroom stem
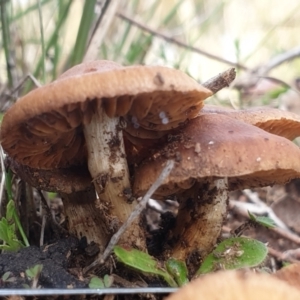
108,167
83,219
199,221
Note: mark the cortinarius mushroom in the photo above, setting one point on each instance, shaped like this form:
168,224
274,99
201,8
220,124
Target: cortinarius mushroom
75,188
276,121
76,120
233,285
290,274
209,151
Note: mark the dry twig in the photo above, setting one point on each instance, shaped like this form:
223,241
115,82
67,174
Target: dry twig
179,43
281,232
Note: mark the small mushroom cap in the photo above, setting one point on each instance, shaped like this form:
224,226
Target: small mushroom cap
44,128
276,121
217,146
233,285
290,274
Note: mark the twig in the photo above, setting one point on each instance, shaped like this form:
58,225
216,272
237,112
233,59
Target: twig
220,81
179,43
42,230
135,213
253,76
28,76
281,232
281,256
255,199
20,84
287,235
258,210
278,60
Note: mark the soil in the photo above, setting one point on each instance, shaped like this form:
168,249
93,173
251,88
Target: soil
55,259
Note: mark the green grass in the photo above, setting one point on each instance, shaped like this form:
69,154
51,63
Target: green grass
57,45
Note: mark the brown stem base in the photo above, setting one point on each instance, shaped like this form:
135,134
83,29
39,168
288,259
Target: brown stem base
199,221
83,218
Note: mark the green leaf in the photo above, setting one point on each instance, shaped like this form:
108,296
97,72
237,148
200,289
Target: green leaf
4,236
108,281
178,270
142,262
8,184
6,275
234,253
13,246
8,236
96,283
51,195
10,210
86,23
264,221
34,271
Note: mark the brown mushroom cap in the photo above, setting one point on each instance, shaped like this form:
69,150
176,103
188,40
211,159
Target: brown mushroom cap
44,128
232,285
217,146
290,274
276,121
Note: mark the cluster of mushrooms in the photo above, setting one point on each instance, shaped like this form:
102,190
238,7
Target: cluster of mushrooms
101,134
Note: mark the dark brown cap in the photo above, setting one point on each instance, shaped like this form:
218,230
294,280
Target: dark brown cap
217,146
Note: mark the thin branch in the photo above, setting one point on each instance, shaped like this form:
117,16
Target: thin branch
220,81
21,83
281,232
281,256
179,43
253,76
255,199
278,60
135,213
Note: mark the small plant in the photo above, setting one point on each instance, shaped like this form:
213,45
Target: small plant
99,283
6,278
234,253
263,221
178,270
144,263
34,274
8,230
11,222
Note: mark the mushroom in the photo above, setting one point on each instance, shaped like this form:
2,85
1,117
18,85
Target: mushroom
276,121
290,274
214,153
77,192
75,120
234,285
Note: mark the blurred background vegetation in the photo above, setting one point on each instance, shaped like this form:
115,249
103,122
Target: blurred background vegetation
203,38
